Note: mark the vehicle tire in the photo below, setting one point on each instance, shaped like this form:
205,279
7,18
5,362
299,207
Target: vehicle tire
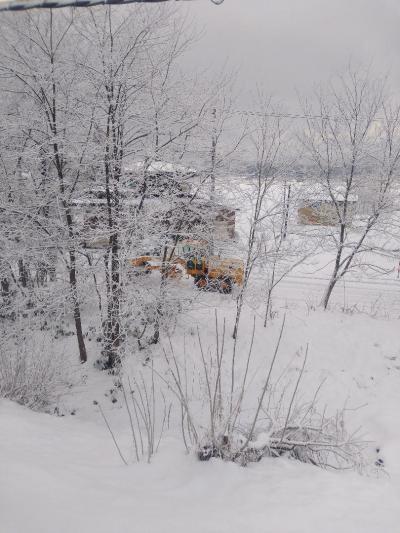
225,286
201,282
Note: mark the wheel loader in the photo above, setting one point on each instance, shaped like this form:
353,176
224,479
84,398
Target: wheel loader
145,264
210,273
215,273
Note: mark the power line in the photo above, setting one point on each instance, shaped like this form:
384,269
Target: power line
297,116
52,4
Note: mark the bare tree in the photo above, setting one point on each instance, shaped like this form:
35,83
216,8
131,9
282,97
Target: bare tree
267,138
284,248
143,111
352,141
34,54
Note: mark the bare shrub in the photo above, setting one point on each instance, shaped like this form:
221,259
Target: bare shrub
33,375
148,413
245,415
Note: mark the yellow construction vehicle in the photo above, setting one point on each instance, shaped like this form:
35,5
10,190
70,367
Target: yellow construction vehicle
142,262
209,273
145,264
214,273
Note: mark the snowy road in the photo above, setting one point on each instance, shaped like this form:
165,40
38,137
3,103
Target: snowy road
374,296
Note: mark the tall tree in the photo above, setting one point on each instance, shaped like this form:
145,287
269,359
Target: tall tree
35,53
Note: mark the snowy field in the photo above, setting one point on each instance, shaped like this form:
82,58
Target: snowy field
69,477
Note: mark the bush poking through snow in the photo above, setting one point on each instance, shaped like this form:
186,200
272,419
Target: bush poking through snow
32,375
243,418
326,446
142,401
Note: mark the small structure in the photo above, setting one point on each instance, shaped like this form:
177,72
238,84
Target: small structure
219,218
318,207
224,223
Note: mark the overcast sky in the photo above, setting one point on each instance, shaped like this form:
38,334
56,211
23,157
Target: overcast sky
289,44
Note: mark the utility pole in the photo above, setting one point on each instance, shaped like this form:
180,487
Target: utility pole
213,153
286,208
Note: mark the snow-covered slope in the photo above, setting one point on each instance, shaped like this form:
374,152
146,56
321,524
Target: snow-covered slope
62,474
59,474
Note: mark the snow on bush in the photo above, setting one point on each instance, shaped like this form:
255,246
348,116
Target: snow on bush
241,413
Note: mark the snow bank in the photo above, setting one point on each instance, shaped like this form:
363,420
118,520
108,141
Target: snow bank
59,474
63,474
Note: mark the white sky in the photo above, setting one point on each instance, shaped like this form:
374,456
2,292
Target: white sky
284,45
287,44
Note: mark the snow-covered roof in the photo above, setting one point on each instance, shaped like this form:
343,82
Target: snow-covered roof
320,193
93,202
155,167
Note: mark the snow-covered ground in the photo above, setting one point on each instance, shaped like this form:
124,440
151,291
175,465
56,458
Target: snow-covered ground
63,473
371,296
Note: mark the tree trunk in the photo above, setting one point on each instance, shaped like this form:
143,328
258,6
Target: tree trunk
268,306
113,328
77,311
5,291
335,274
23,273
212,178
329,290
239,305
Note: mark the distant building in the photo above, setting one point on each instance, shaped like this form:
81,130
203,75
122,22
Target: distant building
222,220
163,187
159,178
318,207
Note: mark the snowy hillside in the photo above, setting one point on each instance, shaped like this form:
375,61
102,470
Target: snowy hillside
64,473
